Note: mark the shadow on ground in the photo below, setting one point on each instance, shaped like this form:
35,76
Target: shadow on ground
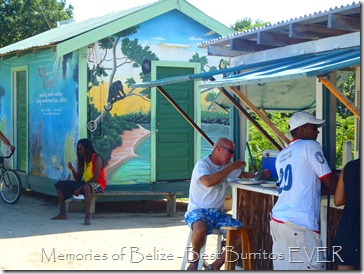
32,214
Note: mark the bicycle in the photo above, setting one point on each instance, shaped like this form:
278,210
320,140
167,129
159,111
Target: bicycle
10,182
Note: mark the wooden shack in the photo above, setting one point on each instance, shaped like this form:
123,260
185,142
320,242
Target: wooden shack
74,82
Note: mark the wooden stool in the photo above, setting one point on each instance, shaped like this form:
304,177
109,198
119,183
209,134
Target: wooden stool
215,231
231,234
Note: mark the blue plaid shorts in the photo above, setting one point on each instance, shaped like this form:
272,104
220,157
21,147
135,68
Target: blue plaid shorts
213,217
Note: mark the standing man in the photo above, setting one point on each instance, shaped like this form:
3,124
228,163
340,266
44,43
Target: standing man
301,167
207,195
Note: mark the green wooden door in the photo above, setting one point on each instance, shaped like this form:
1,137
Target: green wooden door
21,119
174,135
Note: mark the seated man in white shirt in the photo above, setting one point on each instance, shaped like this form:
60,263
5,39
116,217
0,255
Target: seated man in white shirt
207,194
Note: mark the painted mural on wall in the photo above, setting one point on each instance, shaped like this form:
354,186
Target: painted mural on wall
5,111
119,117
53,116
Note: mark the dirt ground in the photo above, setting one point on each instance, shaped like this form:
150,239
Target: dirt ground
132,235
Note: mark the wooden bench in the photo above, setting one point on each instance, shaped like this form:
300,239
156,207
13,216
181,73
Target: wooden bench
170,196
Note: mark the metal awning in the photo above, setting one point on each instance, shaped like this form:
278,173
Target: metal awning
302,66
292,68
299,71
289,85
283,85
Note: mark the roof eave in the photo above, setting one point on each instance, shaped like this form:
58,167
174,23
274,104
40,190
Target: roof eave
138,17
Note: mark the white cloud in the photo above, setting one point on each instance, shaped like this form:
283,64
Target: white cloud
193,38
159,38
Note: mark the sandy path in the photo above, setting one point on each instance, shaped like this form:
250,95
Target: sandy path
30,240
131,139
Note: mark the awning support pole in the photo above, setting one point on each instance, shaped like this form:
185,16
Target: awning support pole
264,118
339,95
185,115
262,111
251,119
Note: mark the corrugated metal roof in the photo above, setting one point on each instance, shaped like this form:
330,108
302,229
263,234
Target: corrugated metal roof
333,22
76,35
67,31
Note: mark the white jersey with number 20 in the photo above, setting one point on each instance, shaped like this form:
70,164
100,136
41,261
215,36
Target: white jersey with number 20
300,167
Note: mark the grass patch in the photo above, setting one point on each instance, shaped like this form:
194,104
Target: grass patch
182,200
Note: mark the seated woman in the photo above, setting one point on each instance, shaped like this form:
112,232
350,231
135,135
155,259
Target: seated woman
89,179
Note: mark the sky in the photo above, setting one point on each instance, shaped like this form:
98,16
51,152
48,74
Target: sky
224,11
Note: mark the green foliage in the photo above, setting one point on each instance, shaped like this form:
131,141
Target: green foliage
132,53
246,24
203,60
345,120
92,78
258,142
137,117
348,89
215,118
111,41
130,81
107,43
137,54
107,138
345,125
210,97
21,19
344,132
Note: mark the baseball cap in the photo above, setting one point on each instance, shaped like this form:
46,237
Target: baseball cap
301,118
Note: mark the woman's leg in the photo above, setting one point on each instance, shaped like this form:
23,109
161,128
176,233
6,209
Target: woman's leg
62,205
88,194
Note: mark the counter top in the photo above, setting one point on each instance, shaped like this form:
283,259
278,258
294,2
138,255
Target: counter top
239,184
256,188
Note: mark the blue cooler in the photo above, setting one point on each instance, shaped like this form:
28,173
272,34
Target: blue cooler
269,162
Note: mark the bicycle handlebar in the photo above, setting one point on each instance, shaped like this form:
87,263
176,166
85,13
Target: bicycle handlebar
11,154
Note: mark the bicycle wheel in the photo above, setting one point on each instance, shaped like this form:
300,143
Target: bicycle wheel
10,186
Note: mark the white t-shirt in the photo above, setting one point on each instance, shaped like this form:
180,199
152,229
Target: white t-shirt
201,196
300,167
